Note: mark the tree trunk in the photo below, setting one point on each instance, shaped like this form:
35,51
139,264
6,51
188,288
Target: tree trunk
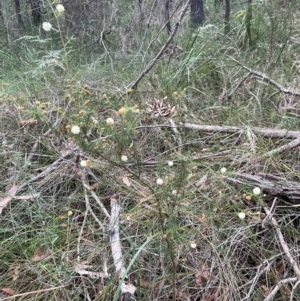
197,12
18,13
36,11
248,22
141,11
227,15
167,16
5,22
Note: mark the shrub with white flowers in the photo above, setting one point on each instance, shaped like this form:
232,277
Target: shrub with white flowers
75,129
46,26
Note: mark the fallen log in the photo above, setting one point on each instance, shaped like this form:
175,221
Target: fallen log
271,185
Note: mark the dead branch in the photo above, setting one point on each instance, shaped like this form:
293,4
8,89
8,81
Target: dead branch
237,86
162,50
284,245
177,134
251,139
89,209
262,76
94,195
48,170
294,290
114,233
116,248
281,149
34,148
266,132
271,185
33,292
278,286
262,268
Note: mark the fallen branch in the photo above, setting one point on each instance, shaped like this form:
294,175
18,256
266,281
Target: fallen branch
114,233
266,132
278,286
94,195
162,50
18,188
262,268
262,76
294,290
81,267
33,292
281,149
89,209
271,185
116,248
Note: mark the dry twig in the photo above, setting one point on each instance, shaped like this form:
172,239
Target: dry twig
96,198
284,244
281,149
262,76
278,286
251,139
162,50
262,268
177,134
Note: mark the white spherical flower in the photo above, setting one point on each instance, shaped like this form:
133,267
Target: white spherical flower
223,170
86,163
159,181
83,163
170,163
75,129
174,192
124,158
256,191
46,26
193,245
60,8
110,121
241,215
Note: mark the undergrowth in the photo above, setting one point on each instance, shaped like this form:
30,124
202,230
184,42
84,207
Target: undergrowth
74,136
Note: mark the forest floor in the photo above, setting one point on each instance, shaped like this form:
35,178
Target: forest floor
184,188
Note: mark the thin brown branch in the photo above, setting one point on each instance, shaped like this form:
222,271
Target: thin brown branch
160,31
33,292
54,126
